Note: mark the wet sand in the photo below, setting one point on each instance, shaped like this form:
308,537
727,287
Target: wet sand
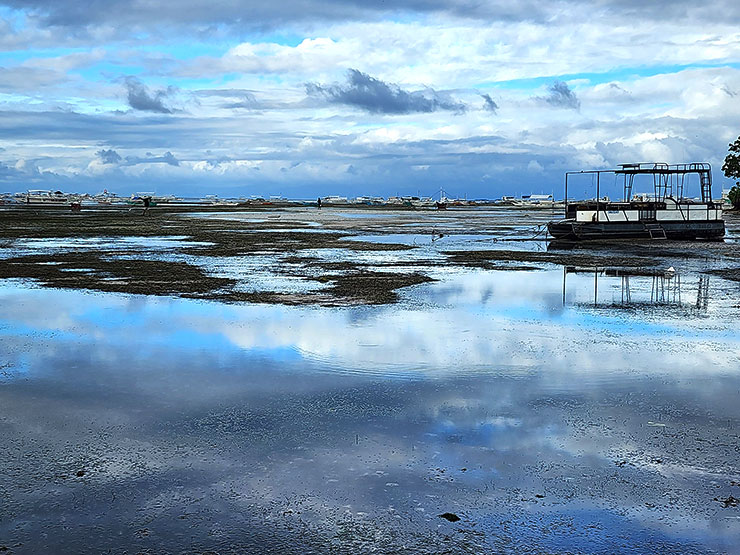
405,383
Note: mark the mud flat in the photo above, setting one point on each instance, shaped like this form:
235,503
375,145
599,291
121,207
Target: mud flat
146,268
328,251
363,382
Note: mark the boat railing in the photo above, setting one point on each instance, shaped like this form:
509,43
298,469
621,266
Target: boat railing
661,167
668,179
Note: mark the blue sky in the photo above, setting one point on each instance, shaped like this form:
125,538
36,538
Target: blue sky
307,98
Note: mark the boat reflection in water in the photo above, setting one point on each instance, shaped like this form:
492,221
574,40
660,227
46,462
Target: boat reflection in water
639,288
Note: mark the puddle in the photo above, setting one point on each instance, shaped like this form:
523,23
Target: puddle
366,215
109,243
423,239
311,229
258,273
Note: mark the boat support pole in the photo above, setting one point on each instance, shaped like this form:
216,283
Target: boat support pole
565,275
598,195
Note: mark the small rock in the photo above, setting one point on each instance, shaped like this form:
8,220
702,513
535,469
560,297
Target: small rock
452,517
80,473
728,502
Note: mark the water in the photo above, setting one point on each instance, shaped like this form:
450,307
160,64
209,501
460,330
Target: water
552,411
21,247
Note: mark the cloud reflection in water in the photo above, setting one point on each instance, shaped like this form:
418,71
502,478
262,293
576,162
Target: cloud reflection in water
256,414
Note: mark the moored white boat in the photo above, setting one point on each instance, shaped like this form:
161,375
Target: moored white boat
46,197
665,214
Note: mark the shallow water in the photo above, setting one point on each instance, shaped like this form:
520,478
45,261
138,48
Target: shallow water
551,411
21,247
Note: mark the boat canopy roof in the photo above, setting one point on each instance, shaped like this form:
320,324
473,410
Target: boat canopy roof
668,179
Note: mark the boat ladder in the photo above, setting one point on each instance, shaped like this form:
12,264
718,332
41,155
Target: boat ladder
706,185
655,231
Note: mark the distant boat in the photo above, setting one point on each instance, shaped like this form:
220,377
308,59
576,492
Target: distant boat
42,196
538,201
528,201
105,198
213,200
334,200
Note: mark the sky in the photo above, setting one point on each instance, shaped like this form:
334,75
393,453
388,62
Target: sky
301,98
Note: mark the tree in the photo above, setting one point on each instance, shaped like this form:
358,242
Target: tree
731,169
734,196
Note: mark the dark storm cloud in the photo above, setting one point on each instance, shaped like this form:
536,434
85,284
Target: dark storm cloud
561,96
379,97
140,97
108,156
489,105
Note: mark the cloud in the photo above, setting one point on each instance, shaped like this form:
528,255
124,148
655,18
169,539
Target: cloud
562,97
141,98
25,172
615,87
688,115
489,105
248,101
535,166
108,156
379,97
166,158
617,93
67,62
27,166
223,16
157,15
17,79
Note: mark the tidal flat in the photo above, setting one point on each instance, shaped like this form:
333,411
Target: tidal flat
358,381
